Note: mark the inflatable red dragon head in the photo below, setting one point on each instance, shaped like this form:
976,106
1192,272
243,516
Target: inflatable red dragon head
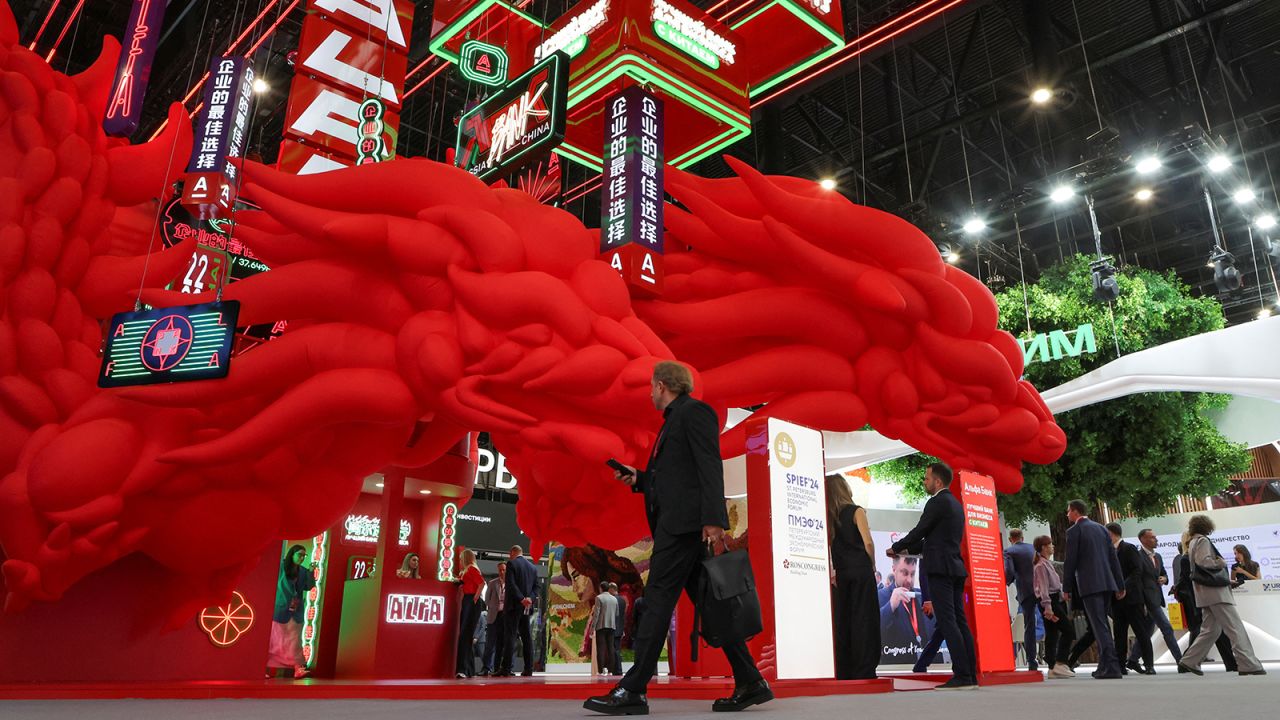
424,305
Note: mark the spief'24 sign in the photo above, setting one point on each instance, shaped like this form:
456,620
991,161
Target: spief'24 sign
518,125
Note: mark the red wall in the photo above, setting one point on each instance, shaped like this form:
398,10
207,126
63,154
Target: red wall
107,629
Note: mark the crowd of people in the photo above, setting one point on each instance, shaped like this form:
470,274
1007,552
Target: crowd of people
1118,588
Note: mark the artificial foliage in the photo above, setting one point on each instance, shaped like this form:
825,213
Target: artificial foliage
1137,453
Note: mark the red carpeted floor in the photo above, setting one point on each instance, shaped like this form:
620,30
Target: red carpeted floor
539,687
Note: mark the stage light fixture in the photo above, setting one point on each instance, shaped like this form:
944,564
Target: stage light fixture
827,183
1265,221
1264,313
974,225
1105,287
1225,275
1041,95
1219,163
1062,193
1148,164
1243,195
1143,194
260,86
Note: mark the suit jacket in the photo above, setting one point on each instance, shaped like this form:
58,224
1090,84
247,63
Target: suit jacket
1092,566
938,536
522,579
491,595
1020,568
896,629
1152,592
1131,564
622,614
684,484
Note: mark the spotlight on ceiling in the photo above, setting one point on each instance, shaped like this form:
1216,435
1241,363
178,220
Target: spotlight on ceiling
1041,95
974,225
424,492
260,86
1105,287
1266,221
1218,163
1062,193
1244,195
1147,164
948,253
1225,275
1143,194
827,183
1264,313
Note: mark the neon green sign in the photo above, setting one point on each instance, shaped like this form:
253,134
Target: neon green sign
686,44
1056,345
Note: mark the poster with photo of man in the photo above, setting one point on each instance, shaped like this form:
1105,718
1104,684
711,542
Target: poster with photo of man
906,621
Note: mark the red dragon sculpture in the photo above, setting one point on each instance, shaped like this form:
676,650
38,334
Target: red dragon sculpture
422,305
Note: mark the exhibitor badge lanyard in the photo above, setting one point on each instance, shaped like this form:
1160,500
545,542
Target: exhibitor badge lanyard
911,613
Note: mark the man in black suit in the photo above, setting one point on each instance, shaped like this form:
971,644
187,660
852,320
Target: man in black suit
522,580
621,625
1154,577
683,488
1093,574
939,534
1131,612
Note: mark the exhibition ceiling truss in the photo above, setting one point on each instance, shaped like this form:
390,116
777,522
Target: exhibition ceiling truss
925,113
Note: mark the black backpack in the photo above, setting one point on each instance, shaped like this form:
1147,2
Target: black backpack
728,608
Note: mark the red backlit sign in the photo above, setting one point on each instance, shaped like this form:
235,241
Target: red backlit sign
347,60
415,609
133,70
988,602
329,120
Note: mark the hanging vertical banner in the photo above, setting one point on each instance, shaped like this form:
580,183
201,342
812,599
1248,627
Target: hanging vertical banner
988,605
210,187
631,206
133,70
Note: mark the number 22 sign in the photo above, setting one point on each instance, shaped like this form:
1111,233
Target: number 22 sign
204,271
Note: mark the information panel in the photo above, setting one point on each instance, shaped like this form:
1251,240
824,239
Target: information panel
801,579
188,342
988,602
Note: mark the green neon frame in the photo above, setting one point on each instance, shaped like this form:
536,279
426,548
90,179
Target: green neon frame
643,71
450,31
499,77
558,63
835,38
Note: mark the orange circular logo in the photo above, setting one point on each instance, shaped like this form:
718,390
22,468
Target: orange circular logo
224,624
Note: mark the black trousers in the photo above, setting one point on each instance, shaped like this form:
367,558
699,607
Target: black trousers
1097,607
1133,615
494,637
1029,643
947,594
1059,634
616,669
467,635
675,567
516,623
604,650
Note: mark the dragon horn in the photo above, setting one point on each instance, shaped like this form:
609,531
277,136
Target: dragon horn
137,172
94,83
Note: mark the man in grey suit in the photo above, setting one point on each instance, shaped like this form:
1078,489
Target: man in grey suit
494,598
1019,569
1093,574
1154,578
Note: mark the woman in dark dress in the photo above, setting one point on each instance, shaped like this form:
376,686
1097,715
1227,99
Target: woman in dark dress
854,607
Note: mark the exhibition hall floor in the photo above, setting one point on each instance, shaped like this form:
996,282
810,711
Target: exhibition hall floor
1165,695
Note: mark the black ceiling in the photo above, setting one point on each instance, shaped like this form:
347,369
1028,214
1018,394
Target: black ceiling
936,126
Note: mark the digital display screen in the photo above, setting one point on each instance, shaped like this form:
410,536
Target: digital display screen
188,342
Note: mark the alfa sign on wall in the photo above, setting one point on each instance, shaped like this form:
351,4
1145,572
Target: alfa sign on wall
801,580
349,51
518,125
988,603
415,609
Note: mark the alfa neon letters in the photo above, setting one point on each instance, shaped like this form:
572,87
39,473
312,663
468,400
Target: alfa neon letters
415,609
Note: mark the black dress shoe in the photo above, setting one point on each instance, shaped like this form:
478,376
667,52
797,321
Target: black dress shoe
619,701
958,683
1133,665
1147,671
756,693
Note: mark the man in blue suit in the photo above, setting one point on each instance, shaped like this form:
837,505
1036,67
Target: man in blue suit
1019,569
1093,574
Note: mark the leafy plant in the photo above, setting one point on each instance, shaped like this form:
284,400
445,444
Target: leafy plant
1136,453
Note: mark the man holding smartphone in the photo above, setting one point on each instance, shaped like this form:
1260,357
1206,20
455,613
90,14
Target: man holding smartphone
683,487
